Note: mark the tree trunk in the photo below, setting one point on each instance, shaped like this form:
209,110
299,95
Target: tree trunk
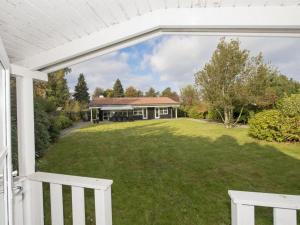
226,117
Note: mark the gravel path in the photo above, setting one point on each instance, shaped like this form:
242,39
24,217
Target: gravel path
75,127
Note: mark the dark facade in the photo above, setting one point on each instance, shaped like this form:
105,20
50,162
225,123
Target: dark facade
142,113
133,108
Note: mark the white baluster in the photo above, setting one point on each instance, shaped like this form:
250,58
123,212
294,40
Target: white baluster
57,210
284,216
37,203
242,214
103,209
78,208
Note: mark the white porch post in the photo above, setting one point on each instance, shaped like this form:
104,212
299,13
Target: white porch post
25,115
26,140
176,113
26,143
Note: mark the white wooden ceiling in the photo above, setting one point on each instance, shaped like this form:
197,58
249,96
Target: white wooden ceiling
30,27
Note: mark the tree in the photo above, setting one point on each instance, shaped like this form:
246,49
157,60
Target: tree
98,92
189,96
151,93
57,90
108,93
81,90
169,93
232,80
133,92
118,90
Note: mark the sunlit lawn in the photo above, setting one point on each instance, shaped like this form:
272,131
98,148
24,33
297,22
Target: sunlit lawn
174,172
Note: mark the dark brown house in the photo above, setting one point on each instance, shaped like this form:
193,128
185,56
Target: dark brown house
133,108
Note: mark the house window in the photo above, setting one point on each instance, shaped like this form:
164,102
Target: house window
138,112
163,111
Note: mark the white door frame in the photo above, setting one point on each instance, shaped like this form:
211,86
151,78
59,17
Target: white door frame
156,115
5,132
145,113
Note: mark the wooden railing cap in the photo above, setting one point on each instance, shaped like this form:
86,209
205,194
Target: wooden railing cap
77,181
265,199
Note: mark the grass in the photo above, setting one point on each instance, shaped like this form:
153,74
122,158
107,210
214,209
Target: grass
174,172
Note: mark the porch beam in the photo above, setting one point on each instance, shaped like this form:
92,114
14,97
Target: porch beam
20,71
260,21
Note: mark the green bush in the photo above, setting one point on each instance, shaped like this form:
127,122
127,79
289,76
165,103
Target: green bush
213,115
63,122
41,126
289,106
272,125
54,129
195,113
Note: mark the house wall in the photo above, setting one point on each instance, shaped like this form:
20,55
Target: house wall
151,114
168,116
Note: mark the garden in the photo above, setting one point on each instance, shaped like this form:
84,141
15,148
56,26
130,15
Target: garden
174,171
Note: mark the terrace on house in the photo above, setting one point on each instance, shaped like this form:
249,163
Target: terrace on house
133,108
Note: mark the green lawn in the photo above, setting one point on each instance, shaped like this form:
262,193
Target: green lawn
174,172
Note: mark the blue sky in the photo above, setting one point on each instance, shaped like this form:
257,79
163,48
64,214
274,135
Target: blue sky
172,60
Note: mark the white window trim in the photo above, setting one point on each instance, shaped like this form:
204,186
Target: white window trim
138,112
163,111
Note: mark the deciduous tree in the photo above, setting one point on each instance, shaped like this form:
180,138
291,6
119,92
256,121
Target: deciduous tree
98,92
57,89
189,96
223,80
151,93
133,92
167,92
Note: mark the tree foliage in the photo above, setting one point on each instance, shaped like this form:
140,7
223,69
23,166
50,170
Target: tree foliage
151,93
98,92
189,96
118,90
133,92
108,93
232,80
57,90
167,92
81,90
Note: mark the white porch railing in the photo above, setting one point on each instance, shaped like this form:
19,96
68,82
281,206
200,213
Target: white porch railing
102,193
284,207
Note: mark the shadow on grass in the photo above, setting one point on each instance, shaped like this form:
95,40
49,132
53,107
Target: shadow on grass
164,176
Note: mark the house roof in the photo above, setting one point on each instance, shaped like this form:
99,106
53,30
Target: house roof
134,101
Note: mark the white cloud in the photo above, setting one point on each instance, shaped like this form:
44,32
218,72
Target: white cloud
172,61
177,58
103,71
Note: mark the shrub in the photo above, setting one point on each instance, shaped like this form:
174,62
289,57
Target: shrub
272,125
213,115
63,122
41,126
289,106
195,113
265,125
54,129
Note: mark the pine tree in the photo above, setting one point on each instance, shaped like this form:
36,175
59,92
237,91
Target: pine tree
81,90
118,90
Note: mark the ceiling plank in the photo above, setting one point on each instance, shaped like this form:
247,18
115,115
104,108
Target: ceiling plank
264,20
